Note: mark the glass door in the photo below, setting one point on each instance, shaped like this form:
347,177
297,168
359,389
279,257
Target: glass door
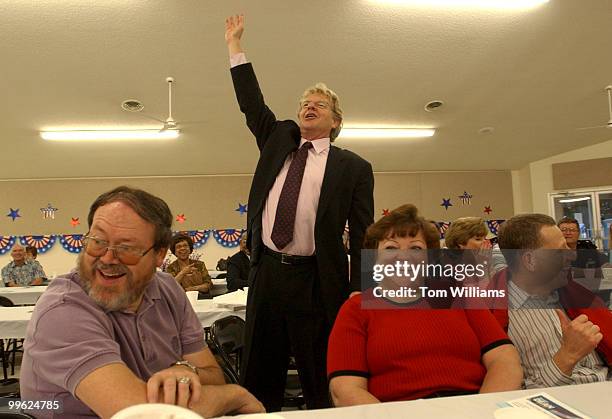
605,215
579,206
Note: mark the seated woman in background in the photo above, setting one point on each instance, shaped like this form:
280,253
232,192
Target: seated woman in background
192,275
391,354
467,233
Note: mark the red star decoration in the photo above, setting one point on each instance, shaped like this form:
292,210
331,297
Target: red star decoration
75,221
181,218
385,212
488,209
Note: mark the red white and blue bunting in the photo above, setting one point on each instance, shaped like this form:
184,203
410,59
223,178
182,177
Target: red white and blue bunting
6,243
199,237
41,243
494,226
72,242
229,237
442,227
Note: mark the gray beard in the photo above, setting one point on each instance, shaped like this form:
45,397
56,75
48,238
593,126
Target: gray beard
118,301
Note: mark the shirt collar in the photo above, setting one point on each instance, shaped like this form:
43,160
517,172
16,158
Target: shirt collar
25,263
519,298
319,145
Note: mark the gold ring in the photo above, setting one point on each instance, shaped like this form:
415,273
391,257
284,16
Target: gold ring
184,380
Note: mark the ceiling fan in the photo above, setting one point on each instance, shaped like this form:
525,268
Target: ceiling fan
609,123
135,106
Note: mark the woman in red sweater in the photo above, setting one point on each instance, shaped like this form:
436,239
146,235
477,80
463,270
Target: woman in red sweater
390,353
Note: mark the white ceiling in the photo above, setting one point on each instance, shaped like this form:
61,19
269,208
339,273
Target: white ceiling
534,75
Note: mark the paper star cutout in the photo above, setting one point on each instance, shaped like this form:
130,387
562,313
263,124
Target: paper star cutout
242,209
385,212
466,198
181,218
488,209
75,221
48,211
14,213
446,203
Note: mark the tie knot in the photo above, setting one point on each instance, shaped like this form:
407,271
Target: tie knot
307,145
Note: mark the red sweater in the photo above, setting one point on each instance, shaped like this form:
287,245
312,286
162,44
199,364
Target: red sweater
411,353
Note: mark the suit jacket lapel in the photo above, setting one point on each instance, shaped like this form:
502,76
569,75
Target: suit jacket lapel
333,169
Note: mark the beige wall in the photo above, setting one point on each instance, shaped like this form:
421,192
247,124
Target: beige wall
209,202
521,191
426,190
206,201
541,172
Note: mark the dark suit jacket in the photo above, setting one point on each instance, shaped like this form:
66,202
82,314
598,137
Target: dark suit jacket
346,195
238,267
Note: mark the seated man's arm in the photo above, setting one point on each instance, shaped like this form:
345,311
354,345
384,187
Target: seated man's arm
113,387
39,274
6,277
209,371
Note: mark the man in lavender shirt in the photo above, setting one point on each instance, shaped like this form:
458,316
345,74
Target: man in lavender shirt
303,193
115,332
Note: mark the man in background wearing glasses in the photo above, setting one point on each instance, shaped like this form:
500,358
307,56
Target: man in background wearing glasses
587,257
114,332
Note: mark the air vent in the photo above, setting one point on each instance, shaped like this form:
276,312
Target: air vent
433,105
132,105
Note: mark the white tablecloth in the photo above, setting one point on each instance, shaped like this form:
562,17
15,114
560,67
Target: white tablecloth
590,399
22,295
214,274
14,320
208,313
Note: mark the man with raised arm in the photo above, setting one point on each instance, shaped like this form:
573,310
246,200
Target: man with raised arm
303,193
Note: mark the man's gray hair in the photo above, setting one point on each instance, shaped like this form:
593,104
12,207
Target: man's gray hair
334,102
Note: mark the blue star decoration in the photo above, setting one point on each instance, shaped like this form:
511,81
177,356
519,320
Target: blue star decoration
446,203
14,213
242,209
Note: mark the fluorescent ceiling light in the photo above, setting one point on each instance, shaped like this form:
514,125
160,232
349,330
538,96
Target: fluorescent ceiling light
386,133
483,4
584,198
109,135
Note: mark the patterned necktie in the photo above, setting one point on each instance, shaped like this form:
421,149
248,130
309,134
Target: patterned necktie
284,221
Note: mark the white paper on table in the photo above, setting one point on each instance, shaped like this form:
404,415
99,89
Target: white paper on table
234,300
545,403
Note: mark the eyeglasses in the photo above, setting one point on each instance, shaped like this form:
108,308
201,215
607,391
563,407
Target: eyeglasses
320,104
569,230
128,255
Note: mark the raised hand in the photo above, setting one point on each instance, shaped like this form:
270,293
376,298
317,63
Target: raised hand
234,27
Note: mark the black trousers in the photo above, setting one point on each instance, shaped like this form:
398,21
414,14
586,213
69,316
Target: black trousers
289,320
